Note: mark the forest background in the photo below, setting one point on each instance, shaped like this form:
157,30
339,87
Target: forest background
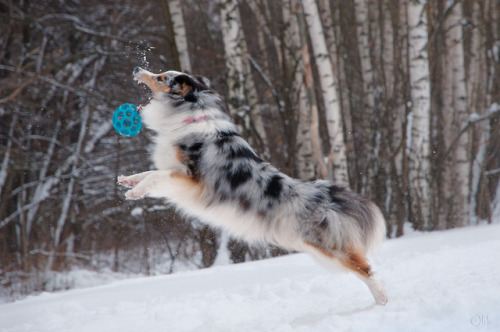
399,100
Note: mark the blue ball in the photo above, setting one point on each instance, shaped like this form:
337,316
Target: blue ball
126,120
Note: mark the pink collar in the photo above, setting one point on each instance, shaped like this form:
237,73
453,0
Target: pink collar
198,119
144,105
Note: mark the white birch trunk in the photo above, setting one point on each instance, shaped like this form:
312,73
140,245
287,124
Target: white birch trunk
305,152
8,149
180,34
460,167
419,117
331,28
234,56
368,102
331,102
322,170
243,100
363,25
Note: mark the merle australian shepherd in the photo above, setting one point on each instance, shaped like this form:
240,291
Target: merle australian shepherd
208,171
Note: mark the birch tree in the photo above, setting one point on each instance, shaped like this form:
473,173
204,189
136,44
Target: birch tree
311,96
401,108
328,89
456,116
305,154
7,156
175,18
364,41
419,116
330,18
243,100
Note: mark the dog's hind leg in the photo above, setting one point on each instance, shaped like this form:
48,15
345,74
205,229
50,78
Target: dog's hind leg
354,262
358,264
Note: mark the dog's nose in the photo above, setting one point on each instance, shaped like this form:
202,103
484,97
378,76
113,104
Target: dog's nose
137,69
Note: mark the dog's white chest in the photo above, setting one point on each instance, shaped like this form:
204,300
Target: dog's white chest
164,155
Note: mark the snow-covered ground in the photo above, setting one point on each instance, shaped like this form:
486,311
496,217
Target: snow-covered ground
441,281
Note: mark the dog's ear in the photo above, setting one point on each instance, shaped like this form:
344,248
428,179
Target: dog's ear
188,86
203,80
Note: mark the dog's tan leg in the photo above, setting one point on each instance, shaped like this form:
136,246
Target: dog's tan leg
166,184
353,261
358,264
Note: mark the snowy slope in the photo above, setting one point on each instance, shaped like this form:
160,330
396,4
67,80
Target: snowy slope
443,281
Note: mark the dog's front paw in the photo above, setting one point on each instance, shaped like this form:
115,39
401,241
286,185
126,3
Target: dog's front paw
124,181
128,181
134,195
132,180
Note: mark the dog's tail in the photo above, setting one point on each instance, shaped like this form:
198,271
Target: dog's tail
357,224
375,230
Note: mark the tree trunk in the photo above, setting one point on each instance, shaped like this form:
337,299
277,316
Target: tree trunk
6,157
457,173
328,88
169,27
333,35
311,96
364,45
476,74
243,101
419,116
400,110
179,29
304,152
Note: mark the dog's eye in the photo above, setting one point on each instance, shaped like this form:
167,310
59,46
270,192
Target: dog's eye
159,79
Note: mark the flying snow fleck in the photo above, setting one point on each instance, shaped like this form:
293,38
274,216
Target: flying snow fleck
143,48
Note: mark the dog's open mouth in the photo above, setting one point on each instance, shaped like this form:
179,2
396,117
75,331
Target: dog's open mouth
156,82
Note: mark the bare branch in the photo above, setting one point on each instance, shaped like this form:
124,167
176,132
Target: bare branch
493,111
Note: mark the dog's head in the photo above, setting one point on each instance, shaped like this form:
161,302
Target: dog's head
173,83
